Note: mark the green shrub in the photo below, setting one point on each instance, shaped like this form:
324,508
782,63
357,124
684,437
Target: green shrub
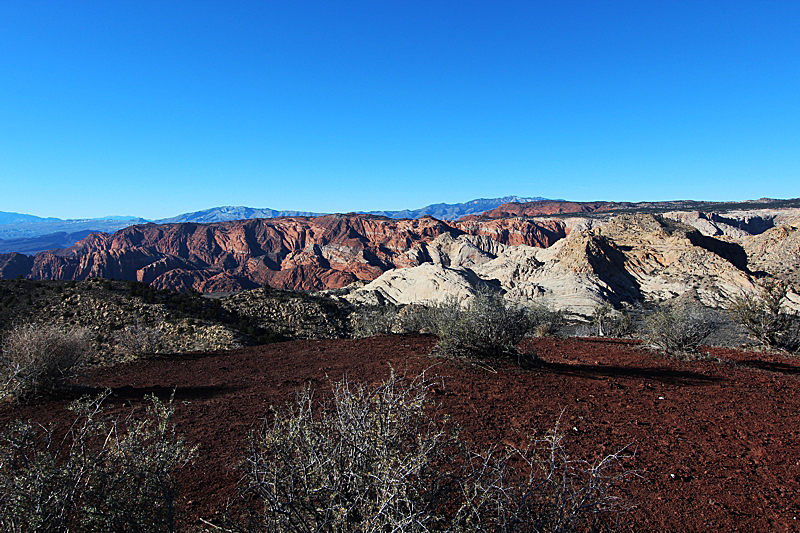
38,358
104,475
608,322
765,319
679,328
488,326
546,322
380,459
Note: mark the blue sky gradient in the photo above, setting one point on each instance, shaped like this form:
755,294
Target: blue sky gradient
159,108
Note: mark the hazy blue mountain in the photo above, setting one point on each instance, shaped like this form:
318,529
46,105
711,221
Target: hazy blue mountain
453,211
18,218
30,234
18,226
33,245
229,212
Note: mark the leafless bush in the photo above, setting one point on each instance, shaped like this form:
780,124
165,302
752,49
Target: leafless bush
377,460
765,319
541,488
138,340
38,358
105,475
679,328
609,322
364,464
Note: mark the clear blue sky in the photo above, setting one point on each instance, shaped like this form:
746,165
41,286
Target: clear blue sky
155,108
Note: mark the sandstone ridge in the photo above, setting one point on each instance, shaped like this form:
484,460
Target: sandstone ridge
629,260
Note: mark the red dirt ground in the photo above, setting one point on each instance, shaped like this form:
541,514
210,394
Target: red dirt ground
718,444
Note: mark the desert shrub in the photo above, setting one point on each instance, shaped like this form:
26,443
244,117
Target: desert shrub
765,319
438,317
374,320
38,358
416,318
380,459
609,322
679,328
541,488
362,464
546,322
488,326
138,340
104,475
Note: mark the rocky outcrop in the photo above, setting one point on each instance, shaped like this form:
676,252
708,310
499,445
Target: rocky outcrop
292,315
14,264
776,253
631,259
306,253
429,283
736,224
517,231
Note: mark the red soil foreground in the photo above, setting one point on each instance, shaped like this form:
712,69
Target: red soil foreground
718,444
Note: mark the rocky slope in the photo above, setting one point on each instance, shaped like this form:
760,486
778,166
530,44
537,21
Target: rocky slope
560,207
120,314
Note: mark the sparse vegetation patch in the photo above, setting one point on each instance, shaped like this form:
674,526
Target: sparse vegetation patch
104,475
679,327
37,358
766,320
379,459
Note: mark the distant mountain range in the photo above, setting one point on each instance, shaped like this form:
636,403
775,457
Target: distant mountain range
454,211
29,234
226,213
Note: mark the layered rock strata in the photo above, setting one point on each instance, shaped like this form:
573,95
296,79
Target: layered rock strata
306,253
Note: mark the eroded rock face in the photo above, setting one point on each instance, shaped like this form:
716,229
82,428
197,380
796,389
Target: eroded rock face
776,252
571,263
631,259
306,253
427,283
736,224
14,264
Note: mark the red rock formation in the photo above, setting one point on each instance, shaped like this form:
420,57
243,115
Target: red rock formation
308,253
543,208
516,231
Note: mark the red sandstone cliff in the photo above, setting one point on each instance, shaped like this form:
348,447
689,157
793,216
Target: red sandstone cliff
307,253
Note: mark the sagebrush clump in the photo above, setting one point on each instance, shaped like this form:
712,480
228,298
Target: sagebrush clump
679,328
369,321
137,340
487,326
609,322
38,358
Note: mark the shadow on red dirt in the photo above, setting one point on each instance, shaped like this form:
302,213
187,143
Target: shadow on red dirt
718,444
